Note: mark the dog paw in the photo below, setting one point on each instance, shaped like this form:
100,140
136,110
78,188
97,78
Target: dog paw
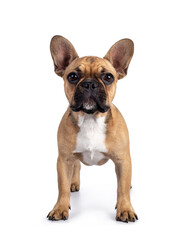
125,214
59,213
75,187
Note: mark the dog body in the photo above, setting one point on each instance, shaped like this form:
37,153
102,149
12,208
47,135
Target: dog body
90,141
92,130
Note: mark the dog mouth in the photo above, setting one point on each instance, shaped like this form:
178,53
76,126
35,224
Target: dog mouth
90,109
90,106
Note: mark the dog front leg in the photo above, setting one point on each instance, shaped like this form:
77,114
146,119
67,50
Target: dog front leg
75,182
61,209
125,211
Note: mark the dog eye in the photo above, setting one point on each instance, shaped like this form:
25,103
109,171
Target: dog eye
73,78
107,78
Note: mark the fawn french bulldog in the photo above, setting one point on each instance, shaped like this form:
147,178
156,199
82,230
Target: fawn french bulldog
92,130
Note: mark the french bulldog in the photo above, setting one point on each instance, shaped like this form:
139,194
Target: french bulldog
92,130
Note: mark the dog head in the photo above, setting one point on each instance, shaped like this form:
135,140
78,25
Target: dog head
90,82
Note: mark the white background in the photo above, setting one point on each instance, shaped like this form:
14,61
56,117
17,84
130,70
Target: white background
33,101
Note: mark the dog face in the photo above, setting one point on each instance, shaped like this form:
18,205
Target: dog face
90,82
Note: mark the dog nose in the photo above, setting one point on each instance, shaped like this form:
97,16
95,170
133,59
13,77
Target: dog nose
89,84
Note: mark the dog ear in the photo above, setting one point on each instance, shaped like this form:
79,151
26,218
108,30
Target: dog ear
120,55
63,53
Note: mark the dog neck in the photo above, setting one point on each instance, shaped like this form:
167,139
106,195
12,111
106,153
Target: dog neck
75,116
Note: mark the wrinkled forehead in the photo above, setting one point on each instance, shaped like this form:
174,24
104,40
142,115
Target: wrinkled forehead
91,66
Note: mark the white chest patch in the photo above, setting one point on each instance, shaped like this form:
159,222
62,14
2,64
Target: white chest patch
91,139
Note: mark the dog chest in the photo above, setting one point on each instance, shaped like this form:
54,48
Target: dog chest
91,139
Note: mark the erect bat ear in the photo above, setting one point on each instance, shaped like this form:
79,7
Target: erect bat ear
63,53
120,55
